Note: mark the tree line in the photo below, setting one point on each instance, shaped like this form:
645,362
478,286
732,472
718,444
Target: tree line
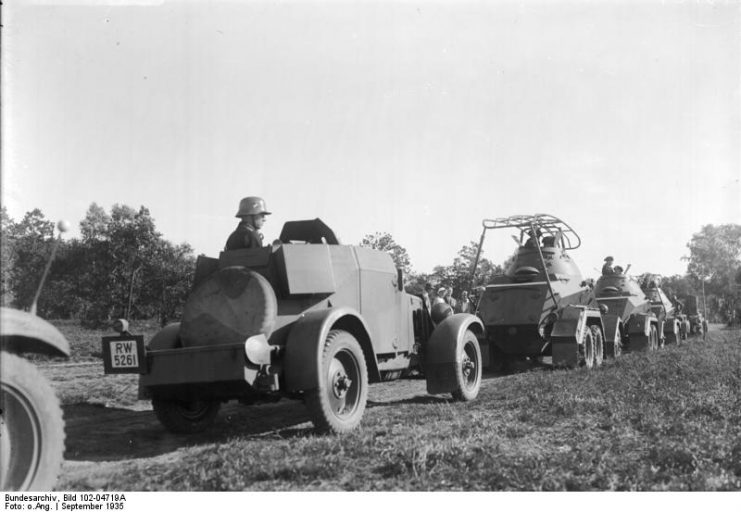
122,267
119,267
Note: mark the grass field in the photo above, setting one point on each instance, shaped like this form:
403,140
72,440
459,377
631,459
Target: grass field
667,420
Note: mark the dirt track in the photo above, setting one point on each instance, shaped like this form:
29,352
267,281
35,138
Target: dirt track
103,434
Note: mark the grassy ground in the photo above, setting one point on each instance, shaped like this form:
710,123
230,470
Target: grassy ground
668,420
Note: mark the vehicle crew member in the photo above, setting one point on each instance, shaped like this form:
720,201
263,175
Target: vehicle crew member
607,267
440,298
252,212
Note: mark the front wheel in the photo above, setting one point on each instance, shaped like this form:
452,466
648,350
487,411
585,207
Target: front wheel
653,339
468,372
31,428
338,403
186,417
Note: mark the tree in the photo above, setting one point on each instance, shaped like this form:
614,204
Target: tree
714,262
385,242
458,274
29,244
6,257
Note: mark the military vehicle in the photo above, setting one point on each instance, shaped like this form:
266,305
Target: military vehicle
669,325
694,315
541,306
306,318
630,318
31,422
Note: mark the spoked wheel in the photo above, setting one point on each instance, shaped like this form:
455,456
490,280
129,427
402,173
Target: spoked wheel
186,417
468,374
338,403
587,350
31,428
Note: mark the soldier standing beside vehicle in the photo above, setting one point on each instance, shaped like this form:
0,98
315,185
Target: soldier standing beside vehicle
252,212
464,304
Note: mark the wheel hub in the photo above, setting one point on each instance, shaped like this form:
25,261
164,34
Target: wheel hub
340,384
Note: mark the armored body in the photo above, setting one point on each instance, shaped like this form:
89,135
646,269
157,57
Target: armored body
630,319
306,318
541,306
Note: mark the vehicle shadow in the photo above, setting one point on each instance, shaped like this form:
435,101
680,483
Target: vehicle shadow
95,432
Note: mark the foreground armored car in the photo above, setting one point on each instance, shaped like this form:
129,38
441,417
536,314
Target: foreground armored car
307,318
632,320
541,306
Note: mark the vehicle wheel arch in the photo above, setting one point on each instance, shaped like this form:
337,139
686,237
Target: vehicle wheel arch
305,342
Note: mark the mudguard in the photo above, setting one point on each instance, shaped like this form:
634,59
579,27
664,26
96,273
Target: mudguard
441,353
570,325
305,343
24,332
611,324
640,324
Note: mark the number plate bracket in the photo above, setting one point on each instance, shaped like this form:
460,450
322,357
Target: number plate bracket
124,354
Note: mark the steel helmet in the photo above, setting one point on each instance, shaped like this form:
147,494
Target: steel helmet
609,258
252,206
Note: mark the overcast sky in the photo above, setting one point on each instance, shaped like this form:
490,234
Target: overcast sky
415,118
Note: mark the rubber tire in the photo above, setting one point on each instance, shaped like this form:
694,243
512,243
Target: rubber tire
467,385
653,339
39,427
177,417
320,401
599,345
586,350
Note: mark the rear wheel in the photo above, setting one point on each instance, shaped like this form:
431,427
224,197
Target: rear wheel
468,373
31,428
186,417
338,403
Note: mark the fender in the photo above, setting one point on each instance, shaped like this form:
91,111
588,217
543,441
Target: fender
571,324
305,343
24,332
442,350
611,324
640,324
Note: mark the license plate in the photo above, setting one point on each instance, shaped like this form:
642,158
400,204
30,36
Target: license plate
124,355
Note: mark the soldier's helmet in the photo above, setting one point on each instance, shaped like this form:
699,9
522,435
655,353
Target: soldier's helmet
609,258
252,206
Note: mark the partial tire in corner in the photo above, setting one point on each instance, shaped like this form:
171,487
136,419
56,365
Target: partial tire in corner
338,403
31,428
468,372
181,417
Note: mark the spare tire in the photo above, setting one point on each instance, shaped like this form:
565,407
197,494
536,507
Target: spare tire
230,306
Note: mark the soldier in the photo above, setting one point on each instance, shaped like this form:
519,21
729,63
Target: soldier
607,267
252,213
440,298
464,305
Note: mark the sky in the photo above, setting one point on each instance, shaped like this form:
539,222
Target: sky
415,118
